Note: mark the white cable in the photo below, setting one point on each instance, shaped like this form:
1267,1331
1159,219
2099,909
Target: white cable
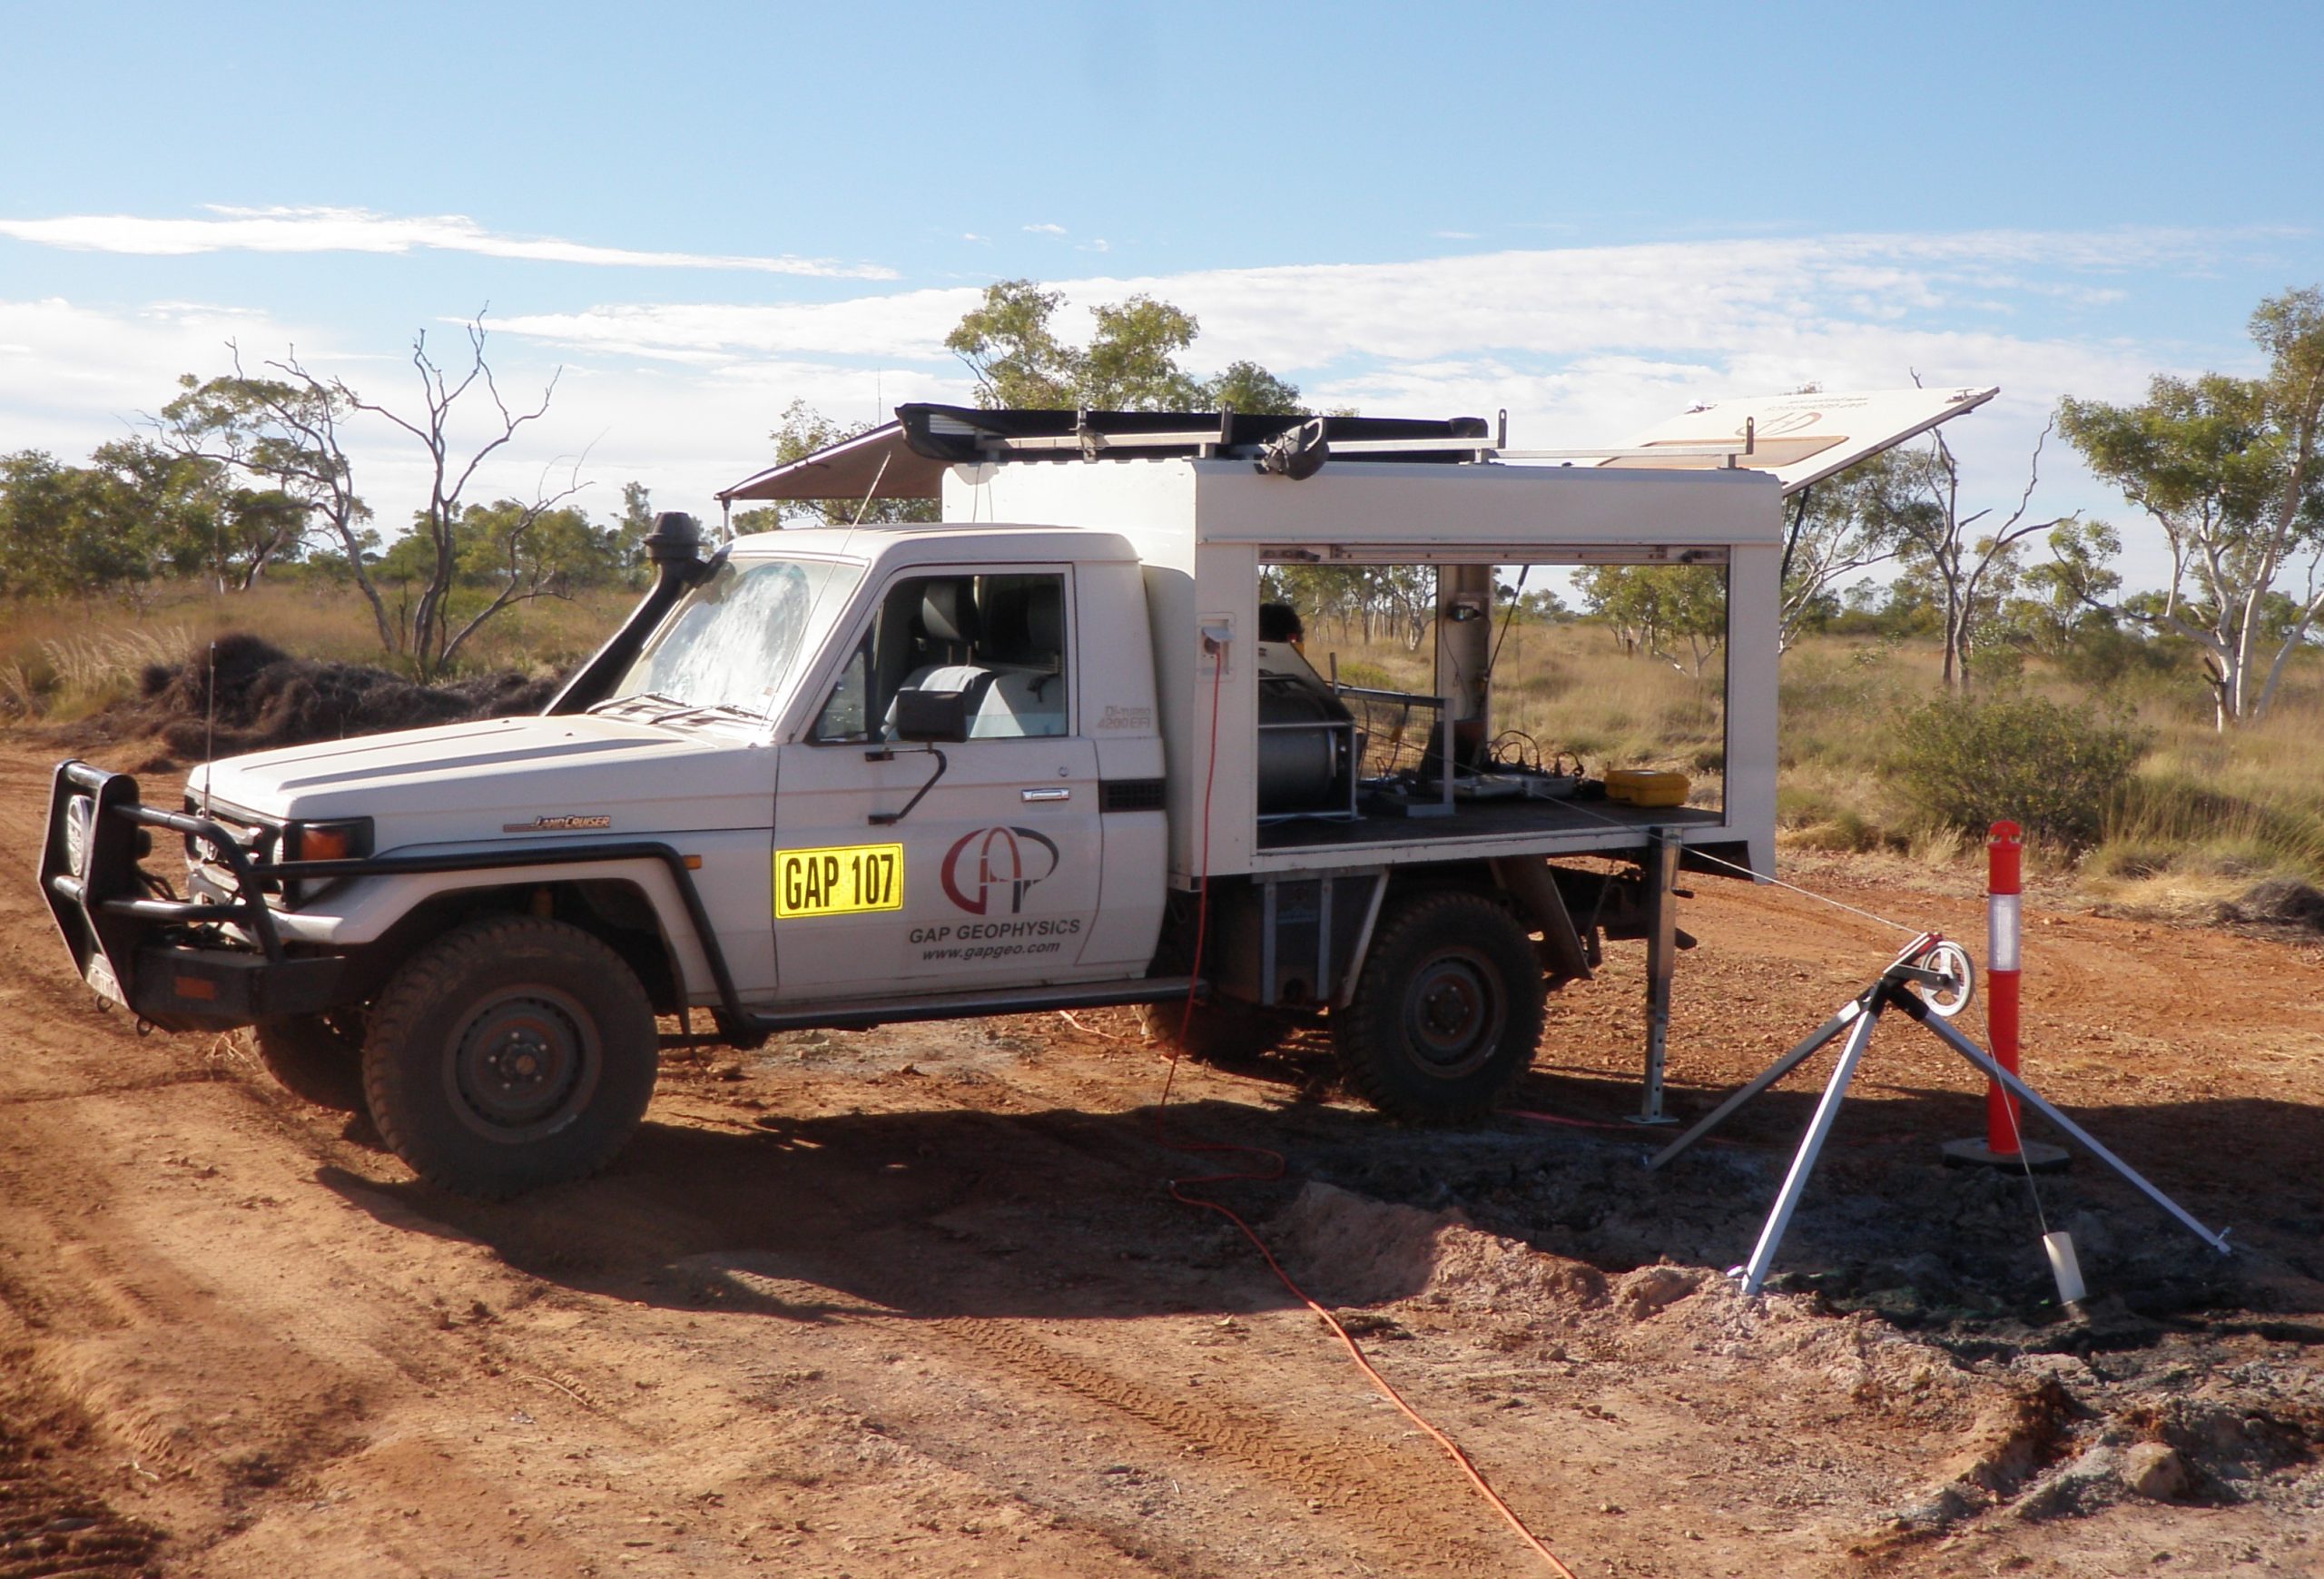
1760,877
1811,893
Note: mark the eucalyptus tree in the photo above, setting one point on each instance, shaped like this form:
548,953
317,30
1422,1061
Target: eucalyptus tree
2226,471
1129,363
280,428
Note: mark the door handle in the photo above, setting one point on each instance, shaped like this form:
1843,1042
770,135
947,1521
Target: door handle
1050,793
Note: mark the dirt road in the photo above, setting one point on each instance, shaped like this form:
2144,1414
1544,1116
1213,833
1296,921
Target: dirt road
915,1301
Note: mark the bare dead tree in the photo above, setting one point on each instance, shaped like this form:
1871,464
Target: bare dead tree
432,638
1930,527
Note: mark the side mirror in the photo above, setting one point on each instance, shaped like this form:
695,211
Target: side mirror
932,716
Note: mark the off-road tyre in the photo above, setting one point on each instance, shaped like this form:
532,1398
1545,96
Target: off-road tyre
1447,1011
317,1058
1223,1031
510,1055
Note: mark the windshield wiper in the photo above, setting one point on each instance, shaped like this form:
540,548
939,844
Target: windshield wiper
735,709
633,696
678,709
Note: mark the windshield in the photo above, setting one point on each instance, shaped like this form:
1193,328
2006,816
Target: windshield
736,641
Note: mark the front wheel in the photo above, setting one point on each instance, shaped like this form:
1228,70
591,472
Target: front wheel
509,1054
1447,1011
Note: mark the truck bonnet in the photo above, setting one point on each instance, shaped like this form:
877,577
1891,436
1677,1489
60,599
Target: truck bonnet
505,778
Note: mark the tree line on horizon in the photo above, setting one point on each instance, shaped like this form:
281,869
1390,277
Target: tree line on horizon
246,472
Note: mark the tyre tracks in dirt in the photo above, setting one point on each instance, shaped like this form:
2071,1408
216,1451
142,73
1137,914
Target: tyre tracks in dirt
1365,1494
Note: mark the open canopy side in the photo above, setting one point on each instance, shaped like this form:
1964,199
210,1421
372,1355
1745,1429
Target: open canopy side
876,464
1803,438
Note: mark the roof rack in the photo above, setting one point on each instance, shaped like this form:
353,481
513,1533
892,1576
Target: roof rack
906,459
959,434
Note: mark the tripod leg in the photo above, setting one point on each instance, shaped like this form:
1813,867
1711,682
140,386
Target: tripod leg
1993,1070
1794,1183
1760,1082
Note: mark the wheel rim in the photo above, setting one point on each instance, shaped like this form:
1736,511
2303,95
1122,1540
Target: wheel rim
522,1064
1453,1013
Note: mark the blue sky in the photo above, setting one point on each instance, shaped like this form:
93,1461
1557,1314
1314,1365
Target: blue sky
1592,215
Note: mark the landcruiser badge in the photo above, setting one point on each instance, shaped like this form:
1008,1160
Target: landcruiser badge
557,824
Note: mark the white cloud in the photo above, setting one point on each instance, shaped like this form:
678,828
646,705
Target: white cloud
1821,307
75,377
908,325
357,230
1045,230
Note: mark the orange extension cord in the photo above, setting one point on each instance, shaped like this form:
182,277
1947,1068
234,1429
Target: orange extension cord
1275,1170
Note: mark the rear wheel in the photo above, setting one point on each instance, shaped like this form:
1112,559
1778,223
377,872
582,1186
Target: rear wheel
316,1057
1447,1011
512,1053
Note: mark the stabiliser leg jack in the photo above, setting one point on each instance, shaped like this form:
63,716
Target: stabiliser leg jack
1929,981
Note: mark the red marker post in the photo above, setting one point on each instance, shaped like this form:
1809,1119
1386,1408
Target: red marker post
2005,883
2004,886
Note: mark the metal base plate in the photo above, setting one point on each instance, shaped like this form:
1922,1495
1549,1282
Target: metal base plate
2038,1156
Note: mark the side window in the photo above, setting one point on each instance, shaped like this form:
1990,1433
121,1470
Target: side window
842,715
999,639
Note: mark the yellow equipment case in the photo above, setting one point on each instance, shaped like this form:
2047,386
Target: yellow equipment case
1646,787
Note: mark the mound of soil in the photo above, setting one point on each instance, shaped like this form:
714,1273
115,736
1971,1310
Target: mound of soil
1350,1249
2278,902
265,697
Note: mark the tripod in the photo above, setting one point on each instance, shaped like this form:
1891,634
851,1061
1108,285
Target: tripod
1929,981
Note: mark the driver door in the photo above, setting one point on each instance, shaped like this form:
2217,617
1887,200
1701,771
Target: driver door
987,877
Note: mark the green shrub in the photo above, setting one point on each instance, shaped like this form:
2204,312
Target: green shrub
1964,763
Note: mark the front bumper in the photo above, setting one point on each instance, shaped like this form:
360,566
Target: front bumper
180,964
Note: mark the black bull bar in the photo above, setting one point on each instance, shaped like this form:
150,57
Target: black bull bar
163,959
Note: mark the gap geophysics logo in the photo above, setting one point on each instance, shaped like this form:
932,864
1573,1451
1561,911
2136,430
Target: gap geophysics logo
990,865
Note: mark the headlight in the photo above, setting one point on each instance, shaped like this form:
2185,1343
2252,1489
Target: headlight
348,839
78,813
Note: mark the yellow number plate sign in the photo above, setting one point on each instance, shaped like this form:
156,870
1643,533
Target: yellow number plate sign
840,881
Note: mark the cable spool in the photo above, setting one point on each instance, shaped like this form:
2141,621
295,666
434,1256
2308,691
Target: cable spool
1951,961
